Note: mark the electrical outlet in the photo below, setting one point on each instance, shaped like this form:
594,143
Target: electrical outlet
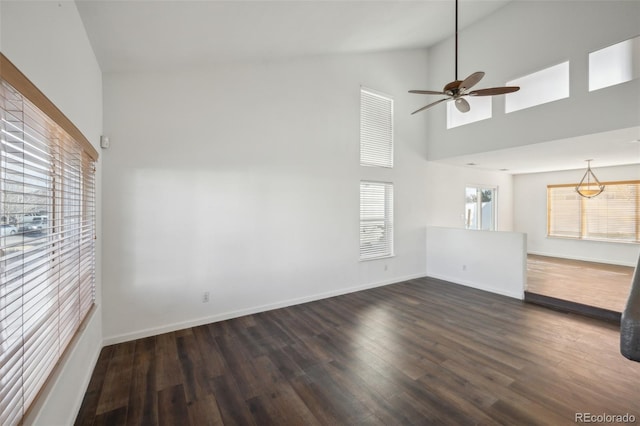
205,297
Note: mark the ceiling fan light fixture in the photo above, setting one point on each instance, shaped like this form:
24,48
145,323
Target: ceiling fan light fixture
456,89
589,185
462,105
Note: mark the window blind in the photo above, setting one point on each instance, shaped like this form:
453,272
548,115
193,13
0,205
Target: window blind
47,257
613,215
376,129
376,220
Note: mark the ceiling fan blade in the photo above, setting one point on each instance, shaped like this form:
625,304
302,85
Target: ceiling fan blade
427,92
494,91
472,80
462,105
430,105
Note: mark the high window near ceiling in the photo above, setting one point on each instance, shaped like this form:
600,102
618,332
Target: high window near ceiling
376,129
47,247
611,216
540,87
615,64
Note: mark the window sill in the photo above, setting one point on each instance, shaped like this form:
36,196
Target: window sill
596,240
366,259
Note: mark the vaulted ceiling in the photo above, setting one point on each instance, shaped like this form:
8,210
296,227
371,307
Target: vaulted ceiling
157,35
151,35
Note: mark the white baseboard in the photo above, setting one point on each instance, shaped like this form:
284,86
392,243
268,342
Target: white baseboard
501,291
584,259
140,334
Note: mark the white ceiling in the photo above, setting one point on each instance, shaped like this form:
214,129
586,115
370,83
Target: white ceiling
135,35
152,35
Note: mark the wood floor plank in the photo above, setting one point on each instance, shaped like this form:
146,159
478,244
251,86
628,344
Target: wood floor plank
420,352
213,362
594,284
115,389
143,398
374,395
319,403
204,412
86,415
168,373
233,407
196,384
117,417
240,365
172,407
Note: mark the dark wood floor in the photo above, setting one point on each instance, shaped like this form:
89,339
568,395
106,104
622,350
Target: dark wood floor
419,352
593,284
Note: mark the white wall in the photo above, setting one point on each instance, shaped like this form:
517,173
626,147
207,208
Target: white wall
524,37
243,181
530,205
46,40
493,261
486,260
446,194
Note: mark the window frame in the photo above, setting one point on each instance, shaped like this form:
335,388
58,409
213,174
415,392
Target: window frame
607,67
494,207
386,247
376,144
583,212
538,88
67,256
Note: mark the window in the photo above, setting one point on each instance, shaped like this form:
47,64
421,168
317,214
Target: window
376,220
614,64
480,110
547,85
376,129
480,208
47,257
611,216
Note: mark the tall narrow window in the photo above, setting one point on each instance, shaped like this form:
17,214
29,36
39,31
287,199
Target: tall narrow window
480,208
376,129
47,251
376,220
614,215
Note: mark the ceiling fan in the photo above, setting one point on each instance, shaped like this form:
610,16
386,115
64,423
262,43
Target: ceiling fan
457,89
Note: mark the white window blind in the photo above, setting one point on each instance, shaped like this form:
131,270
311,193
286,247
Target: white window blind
376,129
47,267
611,216
376,220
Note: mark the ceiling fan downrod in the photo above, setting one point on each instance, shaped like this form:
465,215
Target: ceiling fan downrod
456,49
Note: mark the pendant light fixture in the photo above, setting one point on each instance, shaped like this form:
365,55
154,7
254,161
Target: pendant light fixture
589,186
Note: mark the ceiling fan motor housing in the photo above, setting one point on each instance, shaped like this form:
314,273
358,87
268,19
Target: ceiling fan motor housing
452,87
